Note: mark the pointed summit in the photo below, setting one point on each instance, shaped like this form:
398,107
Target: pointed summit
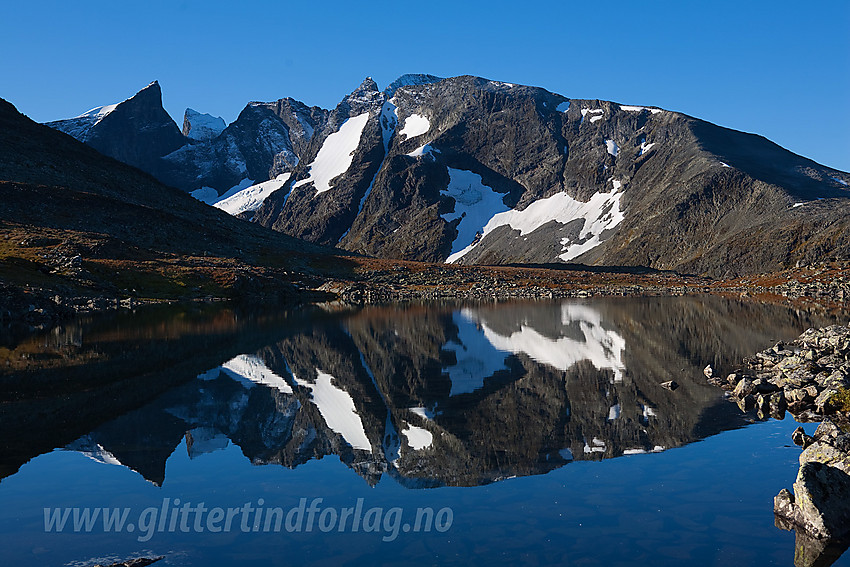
367,86
137,131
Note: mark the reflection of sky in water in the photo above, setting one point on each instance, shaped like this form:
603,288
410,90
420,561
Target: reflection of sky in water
703,504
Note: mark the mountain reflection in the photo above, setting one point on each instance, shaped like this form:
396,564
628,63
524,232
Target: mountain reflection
436,395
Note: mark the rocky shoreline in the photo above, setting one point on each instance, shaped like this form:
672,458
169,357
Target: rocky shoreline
810,378
30,308
807,376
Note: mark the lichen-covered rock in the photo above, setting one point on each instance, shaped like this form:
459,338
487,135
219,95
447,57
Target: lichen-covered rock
824,453
822,500
823,402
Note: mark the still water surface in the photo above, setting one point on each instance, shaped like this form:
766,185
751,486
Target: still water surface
480,434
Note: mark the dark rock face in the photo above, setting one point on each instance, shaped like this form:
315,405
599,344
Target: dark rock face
244,150
137,131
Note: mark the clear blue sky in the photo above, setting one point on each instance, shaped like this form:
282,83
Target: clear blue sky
777,68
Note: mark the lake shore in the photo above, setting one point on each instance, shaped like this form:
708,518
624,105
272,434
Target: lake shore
357,280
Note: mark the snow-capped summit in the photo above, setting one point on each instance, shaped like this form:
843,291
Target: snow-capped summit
199,126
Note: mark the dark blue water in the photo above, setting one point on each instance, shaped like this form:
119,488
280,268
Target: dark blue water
522,434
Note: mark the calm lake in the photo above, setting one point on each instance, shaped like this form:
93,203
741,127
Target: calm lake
468,434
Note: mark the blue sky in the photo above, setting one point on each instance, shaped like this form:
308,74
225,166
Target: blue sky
777,68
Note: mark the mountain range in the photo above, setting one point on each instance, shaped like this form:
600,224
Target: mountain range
474,171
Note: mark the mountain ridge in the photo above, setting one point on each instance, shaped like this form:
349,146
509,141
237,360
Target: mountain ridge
466,169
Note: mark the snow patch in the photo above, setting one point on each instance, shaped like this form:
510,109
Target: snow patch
612,148
592,111
338,410
644,147
795,205
251,370
205,440
423,412
97,114
414,125
597,447
417,437
639,109
563,107
389,121
475,205
202,126
566,454
840,181
90,448
634,451
424,150
603,212
335,156
614,412
250,198
725,165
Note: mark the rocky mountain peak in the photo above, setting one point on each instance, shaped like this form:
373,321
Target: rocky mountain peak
367,86
410,80
200,126
137,131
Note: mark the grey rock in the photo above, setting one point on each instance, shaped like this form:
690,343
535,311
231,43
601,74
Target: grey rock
827,431
822,500
825,453
800,438
744,388
823,402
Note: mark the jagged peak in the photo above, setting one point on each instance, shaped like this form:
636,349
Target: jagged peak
367,86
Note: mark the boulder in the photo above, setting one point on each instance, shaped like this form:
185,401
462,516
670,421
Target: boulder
744,388
799,437
820,504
